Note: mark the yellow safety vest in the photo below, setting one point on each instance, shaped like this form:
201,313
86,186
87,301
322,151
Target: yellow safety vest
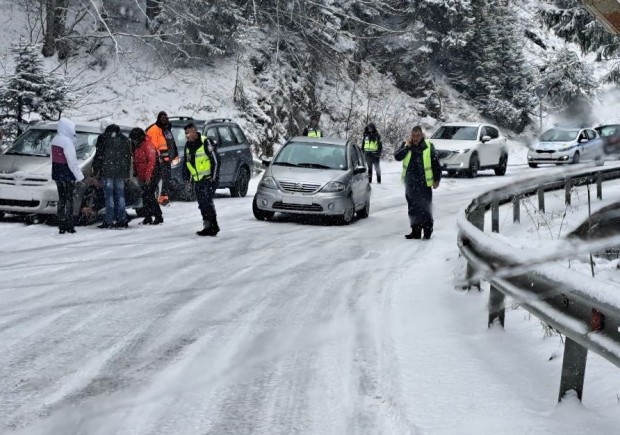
314,133
371,145
428,166
203,164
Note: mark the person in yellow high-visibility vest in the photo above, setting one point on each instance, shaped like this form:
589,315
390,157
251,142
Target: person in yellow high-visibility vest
313,130
421,173
202,166
372,147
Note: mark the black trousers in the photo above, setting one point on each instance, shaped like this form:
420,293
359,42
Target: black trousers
205,189
149,200
66,190
419,207
373,160
166,176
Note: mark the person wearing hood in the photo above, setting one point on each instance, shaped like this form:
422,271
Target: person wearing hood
65,172
112,163
421,173
160,135
372,147
146,169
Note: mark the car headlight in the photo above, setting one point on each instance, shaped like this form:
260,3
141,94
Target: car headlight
334,186
268,182
466,150
176,162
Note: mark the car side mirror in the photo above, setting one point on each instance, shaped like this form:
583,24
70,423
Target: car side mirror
584,140
486,138
359,170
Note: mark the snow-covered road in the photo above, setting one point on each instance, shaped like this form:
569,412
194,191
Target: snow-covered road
278,327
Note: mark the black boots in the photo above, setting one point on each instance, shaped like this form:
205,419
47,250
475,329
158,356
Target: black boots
209,229
416,233
158,220
378,179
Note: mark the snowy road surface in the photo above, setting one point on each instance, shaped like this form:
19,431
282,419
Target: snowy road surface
283,327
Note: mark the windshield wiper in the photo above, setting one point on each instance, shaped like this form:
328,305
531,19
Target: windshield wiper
285,164
314,165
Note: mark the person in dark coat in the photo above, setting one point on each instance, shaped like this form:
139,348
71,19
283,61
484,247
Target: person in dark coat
202,166
372,147
421,174
146,167
113,164
66,172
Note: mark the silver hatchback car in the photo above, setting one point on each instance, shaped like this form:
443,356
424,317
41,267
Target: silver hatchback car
315,176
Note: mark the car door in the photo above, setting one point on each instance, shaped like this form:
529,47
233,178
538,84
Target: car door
581,144
212,133
590,146
497,144
485,149
244,153
358,181
228,150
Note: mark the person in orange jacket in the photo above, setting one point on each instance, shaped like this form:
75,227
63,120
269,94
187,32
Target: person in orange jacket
146,168
160,135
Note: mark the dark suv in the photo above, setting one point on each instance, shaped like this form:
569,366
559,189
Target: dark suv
233,148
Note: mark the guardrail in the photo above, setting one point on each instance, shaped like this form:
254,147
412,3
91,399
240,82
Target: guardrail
586,311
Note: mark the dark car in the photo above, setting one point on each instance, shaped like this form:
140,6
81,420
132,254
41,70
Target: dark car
610,134
232,146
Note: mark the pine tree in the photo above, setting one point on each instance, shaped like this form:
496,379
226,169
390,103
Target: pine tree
30,89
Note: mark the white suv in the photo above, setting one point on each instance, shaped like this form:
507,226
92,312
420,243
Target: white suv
469,147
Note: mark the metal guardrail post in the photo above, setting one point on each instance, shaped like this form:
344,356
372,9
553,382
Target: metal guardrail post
573,368
497,308
476,217
516,209
541,199
568,187
599,185
495,216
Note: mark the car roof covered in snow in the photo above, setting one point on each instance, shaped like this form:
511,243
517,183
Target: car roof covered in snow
465,124
83,127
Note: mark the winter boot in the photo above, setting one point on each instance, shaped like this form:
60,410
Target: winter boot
378,179
147,220
416,233
207,230
158,220
427,232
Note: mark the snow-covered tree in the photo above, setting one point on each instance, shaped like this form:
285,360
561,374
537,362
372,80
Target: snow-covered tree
31,90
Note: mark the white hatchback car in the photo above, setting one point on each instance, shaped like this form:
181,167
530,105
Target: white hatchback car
469,147
565,146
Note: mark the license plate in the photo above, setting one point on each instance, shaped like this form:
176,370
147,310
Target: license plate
301,199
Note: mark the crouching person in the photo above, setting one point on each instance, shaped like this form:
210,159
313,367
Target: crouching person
202,166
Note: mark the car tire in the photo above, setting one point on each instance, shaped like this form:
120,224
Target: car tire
240,189
364,212
576,158
474,166
261,215
348,215
503,165
451,173
599,162
86,201
533,165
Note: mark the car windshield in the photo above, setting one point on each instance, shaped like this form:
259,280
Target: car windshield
609,130
557,135
312,155
179,136
456,133
36,142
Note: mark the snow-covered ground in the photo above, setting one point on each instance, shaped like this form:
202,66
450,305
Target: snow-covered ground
275,328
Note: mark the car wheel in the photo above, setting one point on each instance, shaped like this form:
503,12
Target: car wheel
87,213
533,165
240,189
576,158
503,164
599,161
35,219
474,166
261,215
365,212
347,217
451,173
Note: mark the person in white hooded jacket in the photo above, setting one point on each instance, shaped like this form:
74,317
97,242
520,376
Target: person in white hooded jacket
65,172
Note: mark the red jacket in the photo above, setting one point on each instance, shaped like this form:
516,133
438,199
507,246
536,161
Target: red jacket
145,160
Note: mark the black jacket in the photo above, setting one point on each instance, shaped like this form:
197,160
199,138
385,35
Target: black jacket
415,176
113,154
189,155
